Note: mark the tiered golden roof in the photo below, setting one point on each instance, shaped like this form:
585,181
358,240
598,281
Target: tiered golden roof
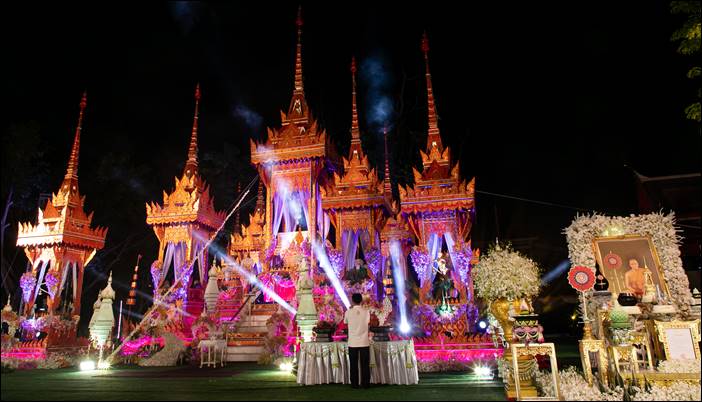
190,202
63,221
359,186
439,186
299,137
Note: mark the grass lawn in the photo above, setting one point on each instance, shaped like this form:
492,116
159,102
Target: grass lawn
237,381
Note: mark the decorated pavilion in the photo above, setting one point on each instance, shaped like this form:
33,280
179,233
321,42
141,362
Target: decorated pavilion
293,163
439,209
356,203
58,247
62,242
183,224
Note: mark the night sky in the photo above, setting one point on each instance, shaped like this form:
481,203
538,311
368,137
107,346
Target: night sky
548,102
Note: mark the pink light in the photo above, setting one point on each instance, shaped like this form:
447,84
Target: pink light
133,346
451,344
465,355
36,355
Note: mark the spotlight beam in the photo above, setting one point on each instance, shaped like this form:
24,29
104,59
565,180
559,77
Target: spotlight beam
399,280
177,283
251,278
323,260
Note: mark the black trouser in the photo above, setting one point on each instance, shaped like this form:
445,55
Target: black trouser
364,354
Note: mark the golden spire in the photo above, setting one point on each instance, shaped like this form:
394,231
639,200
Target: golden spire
260,200
237,217
298,105
355,132
72,170
131,301
434,138
387,184
191,164
299,89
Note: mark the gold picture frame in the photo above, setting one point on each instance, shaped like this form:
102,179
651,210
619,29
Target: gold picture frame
623,248
549,349
683,334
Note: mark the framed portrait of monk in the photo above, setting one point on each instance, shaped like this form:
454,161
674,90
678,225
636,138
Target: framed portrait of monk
631,265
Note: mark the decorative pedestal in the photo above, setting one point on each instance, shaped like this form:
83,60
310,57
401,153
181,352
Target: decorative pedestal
305,324
526,366
597,346
619,355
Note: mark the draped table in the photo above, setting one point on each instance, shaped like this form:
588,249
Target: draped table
328,362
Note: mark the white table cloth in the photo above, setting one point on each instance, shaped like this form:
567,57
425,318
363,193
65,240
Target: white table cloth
328,362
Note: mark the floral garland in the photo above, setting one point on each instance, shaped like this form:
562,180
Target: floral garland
427,313
374,259
51,283
306,249
421,263
46,323
382,311
27,282
664,236
336,259
503,272
360,287
184,274
155,274
330,312
270,251
462,263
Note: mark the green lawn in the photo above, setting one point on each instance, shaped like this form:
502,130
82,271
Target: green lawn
240,381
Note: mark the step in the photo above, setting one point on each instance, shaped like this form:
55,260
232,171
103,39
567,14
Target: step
251,330
244,349
256,319
243,357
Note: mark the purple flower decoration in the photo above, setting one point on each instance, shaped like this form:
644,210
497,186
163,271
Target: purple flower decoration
155,274
426,313
373,259
27,282
421,263
462,263
51,284
336,259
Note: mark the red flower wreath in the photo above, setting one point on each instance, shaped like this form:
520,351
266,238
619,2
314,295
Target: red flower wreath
613,261
581,278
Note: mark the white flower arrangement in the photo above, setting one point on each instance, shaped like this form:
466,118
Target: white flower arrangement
574,387
384,312
679,366
503,272
664,236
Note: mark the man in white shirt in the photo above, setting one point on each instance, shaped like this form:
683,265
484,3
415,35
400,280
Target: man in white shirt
357,319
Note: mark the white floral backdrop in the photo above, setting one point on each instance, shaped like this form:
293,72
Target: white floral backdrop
665,237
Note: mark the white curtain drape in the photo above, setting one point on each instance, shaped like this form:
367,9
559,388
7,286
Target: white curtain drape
434,247
42,272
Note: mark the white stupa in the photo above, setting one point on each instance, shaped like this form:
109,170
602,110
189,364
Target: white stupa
306,316
103,320
212,290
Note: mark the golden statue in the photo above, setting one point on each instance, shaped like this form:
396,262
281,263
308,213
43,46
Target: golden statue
634,278
639,281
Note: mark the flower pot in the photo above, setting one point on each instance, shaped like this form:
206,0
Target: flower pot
500,309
